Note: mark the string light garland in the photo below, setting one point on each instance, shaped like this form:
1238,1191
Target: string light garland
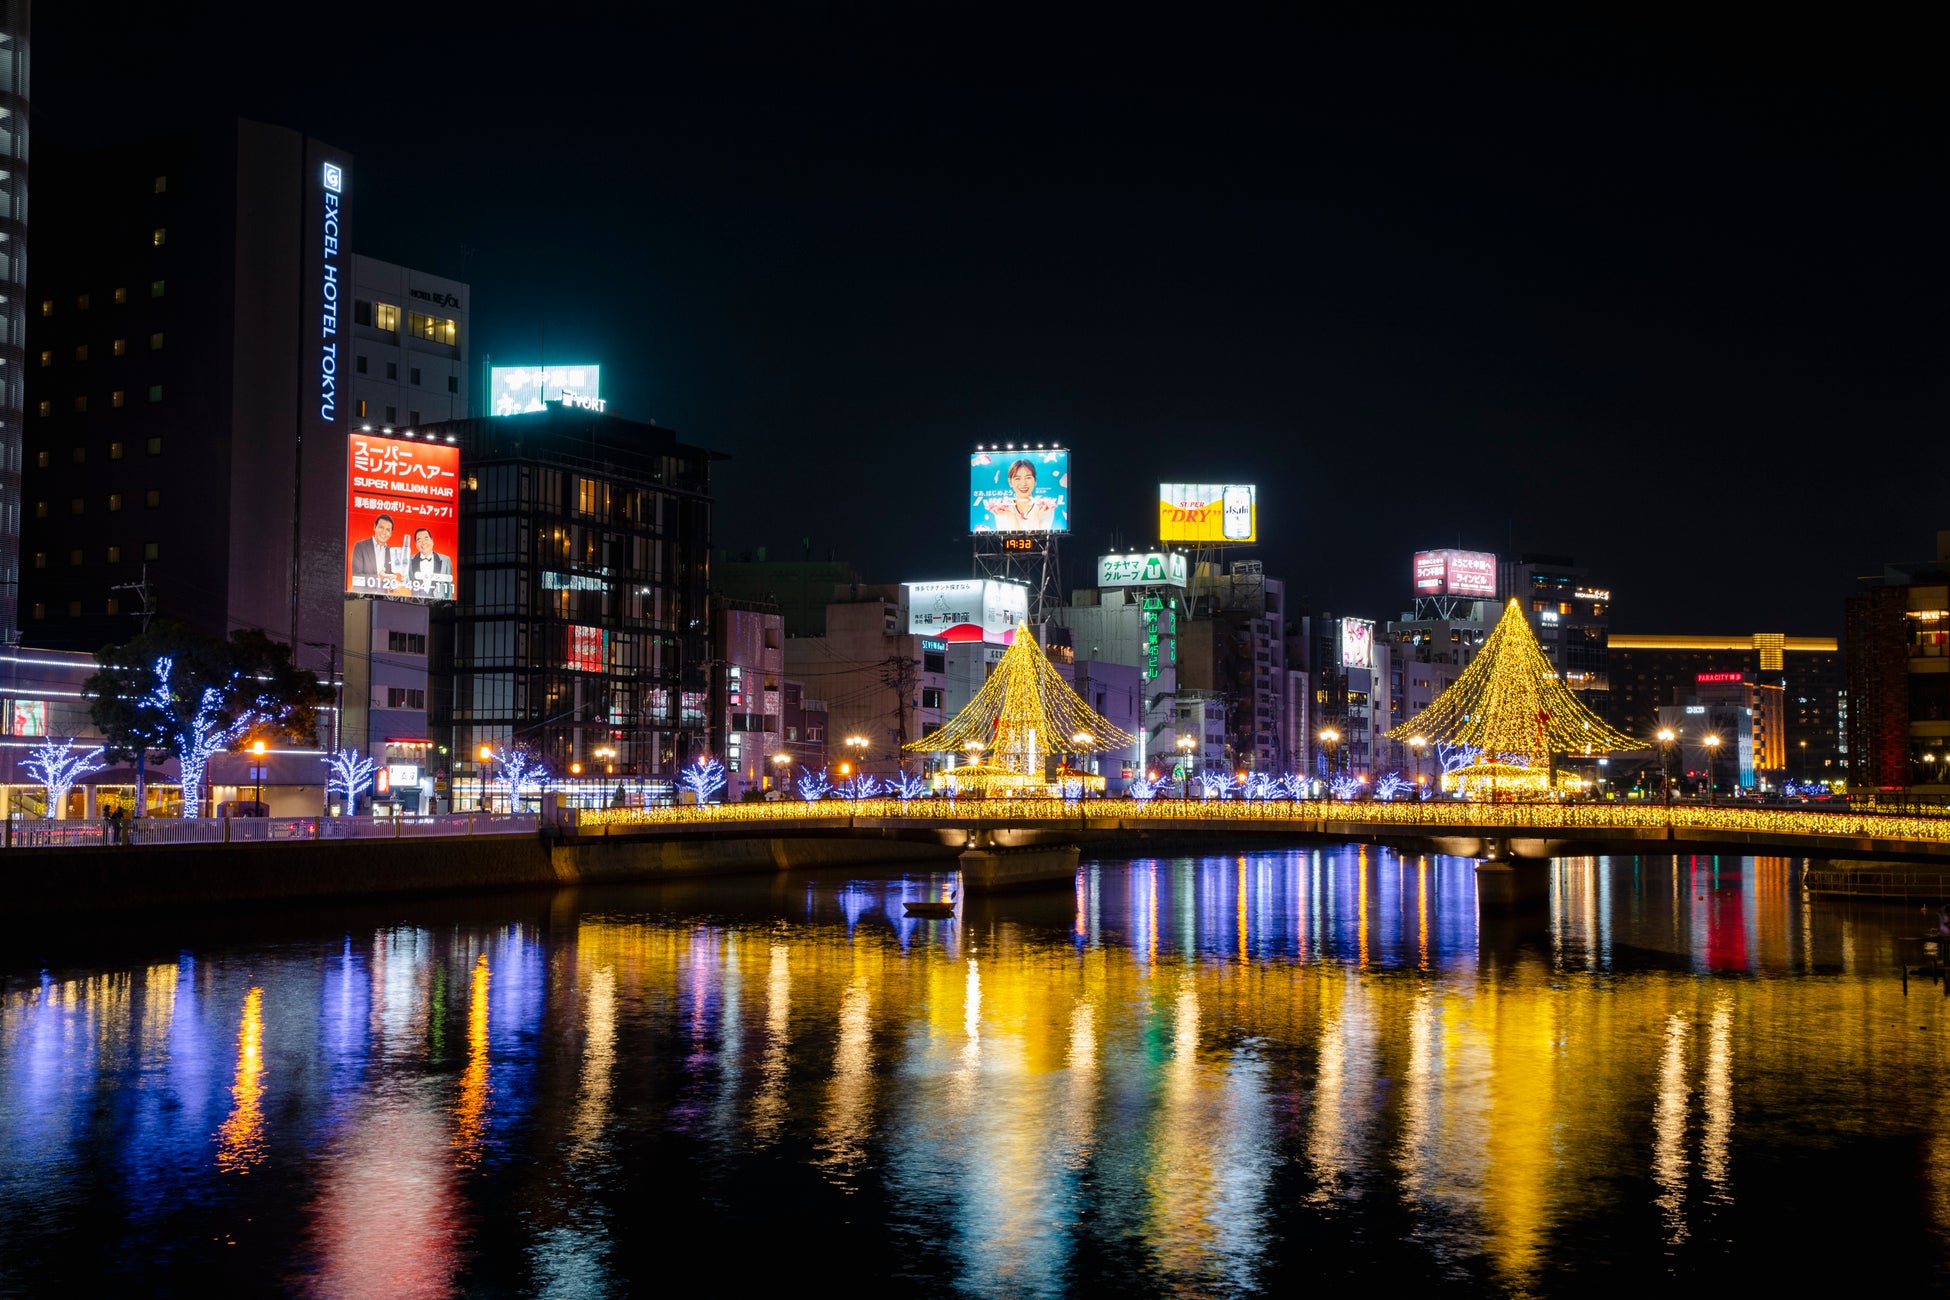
1022,714
1510,707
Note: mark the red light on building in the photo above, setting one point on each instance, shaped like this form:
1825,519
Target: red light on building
1720,677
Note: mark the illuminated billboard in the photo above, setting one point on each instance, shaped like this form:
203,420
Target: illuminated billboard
1455,573
513,390
1357,643
1208,512
1019,491
402,517
1149,569
967,609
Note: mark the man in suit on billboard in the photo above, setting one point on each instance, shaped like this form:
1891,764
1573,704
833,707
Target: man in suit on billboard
372,557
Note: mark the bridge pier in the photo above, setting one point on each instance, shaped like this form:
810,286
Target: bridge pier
1506,882
988,867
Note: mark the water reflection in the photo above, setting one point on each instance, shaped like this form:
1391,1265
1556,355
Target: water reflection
1194,1077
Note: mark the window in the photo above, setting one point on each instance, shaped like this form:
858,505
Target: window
77,505
152,498
152,550
392,370
361,312
453,383
47,359
408,643
156,341
81,352
155,392
162,184
40,510
40,559
359,364
412,417
118,398
155,446
392,415
362,408
79,455
120,347
413,375
74,557
121,295
114,555
114,502
114,605
432,328
931,697
46,407
47,306
74,609
155,288
81,302
402,697
40,460
80,403
158,237
40,610
385,316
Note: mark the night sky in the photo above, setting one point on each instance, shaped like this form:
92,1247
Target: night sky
1666,298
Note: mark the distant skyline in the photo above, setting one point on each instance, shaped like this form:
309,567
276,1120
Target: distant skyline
1664,301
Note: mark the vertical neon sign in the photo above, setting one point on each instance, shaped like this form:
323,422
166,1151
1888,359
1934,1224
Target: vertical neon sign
328,354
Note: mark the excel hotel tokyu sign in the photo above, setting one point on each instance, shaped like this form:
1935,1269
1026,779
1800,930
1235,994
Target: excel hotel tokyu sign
331,258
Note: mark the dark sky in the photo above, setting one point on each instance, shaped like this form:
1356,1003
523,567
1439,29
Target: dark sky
1665,297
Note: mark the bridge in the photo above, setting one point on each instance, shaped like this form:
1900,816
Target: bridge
1512,841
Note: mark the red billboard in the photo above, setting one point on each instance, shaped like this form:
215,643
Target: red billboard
1455,573
402,517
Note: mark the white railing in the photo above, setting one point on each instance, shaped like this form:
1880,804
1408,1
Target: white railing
34,832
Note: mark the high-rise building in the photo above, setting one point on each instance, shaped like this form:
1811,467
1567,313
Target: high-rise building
13,299
582,619
1897,649
1571,617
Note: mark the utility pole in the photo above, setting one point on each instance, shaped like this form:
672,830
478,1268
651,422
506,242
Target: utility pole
141,589
338,707
900,673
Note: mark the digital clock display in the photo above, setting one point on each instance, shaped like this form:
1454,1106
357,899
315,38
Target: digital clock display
1018,543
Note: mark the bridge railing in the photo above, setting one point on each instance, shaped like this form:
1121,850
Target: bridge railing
1434,815
34,832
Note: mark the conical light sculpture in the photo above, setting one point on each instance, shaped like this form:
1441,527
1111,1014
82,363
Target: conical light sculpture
1510,706
1023,713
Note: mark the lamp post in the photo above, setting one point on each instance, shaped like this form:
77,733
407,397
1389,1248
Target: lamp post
1416,744
1804,762
1185,747
1665,762
1330,740
486,755
1712,743
1082,741
257,769
781,763
857,746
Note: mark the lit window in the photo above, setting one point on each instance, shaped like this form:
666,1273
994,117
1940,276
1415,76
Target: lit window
117,398
47,306
40,460
40,610
114,605
434,329
156,341
115,448
40,559
120,347
47,358
74,557
159,237
46,407
155,392
152,498
40,510
114,502
155,288
122,295
81,352
152,550
162,184
362,408
114,555
155,446
81,302
385,316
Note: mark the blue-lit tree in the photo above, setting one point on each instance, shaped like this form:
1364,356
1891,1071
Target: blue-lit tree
1262,785
910,786
858,786
58,765
813,785
1295,787
207,727
516,766
1391,785
1213,785
1143,789
1072,789
703,778
1345,785
1454,758
350,775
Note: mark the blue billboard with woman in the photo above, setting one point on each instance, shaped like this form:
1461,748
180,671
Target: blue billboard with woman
1019,491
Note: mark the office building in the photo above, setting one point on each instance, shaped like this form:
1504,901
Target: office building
748,698
1649,672
582,620
883,686
1571,617
13,299
1896,642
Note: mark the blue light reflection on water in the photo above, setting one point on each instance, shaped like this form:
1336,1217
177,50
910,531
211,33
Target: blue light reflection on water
1201,1075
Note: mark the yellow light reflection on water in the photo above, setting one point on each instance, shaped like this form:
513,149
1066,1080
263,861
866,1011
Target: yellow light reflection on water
471,1105
240,1142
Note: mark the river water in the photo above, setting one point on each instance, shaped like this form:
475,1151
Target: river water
1214,1076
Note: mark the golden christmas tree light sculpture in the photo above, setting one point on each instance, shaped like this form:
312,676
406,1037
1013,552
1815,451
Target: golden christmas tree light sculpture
1510,706
1024,713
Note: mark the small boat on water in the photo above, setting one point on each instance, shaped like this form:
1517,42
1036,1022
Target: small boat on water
931,907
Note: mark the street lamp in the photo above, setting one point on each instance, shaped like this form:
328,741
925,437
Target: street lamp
1665,761
257,752
1712,743
1804,762
781,761
608,756
857,746
1331,739
1416,744
486,755
1185,747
